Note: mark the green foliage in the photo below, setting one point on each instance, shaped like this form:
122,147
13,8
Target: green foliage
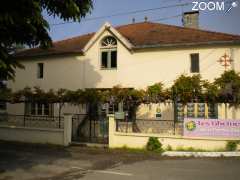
130,150
22,23
5,94
210,92
155,92
92,96
153,144
227,77
229,87
231,145
169,148
187,88
190,149
155,89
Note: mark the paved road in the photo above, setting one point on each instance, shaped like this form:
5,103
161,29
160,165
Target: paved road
27,162
190,169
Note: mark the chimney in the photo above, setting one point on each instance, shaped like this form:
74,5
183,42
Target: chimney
191,19
145,19
133,20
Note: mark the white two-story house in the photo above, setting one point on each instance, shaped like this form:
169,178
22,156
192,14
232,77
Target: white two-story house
134,56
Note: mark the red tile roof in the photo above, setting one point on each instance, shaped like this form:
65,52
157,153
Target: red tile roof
141,35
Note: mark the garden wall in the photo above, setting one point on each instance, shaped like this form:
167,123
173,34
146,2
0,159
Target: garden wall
38,135
139,140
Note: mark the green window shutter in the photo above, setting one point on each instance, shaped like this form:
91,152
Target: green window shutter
104,59
40,71
113,59
195,63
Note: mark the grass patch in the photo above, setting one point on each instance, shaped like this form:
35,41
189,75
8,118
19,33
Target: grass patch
153,146
191,149
232,145
134,150
128,149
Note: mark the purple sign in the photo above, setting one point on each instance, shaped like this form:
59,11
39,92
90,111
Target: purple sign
216,128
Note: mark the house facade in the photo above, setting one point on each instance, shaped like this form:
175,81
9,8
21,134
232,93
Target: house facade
134,56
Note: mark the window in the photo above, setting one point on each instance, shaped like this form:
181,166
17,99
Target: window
114,59
109,53
213,111
40,71
190,110
40,109
195,63
196,110
201,110
104,60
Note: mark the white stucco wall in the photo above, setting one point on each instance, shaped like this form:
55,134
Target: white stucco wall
32,135
39,135
59,72
135,69
139,140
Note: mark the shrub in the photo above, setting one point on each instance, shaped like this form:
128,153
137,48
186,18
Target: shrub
153,144
231,145
169,148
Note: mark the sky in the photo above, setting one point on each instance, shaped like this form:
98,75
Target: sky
208,20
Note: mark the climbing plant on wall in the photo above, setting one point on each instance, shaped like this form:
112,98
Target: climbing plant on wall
185,89
228,85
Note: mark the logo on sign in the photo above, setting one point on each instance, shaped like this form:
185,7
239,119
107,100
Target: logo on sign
190,126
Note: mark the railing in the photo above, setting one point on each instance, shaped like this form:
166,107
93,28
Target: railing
87,129
78,120
164,127
32,121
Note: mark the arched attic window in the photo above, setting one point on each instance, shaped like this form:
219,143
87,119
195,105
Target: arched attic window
108,48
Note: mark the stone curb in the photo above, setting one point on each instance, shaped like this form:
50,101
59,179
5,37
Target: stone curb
200,154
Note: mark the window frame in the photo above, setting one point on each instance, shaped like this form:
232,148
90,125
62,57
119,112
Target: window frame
182,111
40,70
39,109
214,110
192,59
108,49
109,58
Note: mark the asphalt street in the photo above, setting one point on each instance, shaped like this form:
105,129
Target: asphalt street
36,162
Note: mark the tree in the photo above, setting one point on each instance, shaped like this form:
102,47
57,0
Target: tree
210,92
22,23
187,88
155,92
229,87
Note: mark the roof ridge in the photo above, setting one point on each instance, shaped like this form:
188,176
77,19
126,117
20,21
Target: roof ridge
195,29
70,38
180,27
150,22
140,34
62,40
